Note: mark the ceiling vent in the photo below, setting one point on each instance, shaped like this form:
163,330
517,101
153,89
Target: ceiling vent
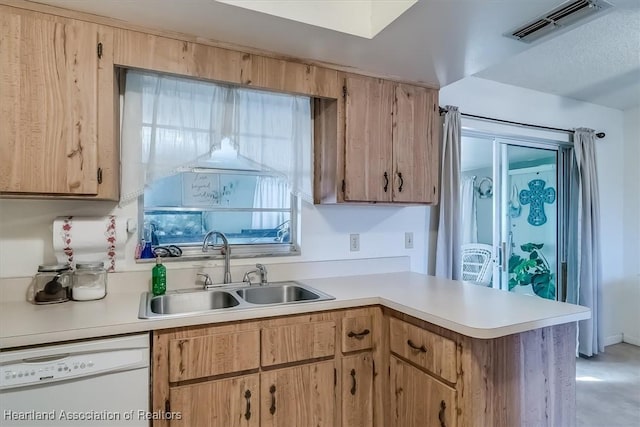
567,14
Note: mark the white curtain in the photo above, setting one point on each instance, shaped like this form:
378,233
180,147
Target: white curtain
584,273
170,123
271,192
448,246
468,210
274,131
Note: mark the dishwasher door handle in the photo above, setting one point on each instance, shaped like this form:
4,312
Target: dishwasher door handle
46,358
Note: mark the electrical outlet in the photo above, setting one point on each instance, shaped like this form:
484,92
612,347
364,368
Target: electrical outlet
354,244
408,240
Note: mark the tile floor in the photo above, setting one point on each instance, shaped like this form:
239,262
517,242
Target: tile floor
608,388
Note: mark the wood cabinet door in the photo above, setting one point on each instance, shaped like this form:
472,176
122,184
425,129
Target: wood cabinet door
232,402
357,390
298,396
48,104
415,145
368,140
419,400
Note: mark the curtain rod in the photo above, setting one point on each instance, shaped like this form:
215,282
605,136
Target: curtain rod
444,110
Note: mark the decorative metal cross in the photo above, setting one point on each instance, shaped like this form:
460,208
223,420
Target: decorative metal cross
537,195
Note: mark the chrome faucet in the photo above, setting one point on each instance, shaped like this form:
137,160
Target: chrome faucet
262,270
224,248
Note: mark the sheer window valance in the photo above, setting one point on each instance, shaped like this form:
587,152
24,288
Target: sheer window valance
172,123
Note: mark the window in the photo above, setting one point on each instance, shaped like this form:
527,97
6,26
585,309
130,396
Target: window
204,157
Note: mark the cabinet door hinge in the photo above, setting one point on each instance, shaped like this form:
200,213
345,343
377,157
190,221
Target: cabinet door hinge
344,186
99,175
100,50
335,377
344,91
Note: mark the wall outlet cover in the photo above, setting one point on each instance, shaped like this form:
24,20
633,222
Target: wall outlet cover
354,242
408,240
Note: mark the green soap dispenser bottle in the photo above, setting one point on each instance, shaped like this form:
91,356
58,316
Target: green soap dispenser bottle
159,278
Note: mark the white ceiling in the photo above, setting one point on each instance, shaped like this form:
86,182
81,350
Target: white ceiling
598,62
435,42
364,18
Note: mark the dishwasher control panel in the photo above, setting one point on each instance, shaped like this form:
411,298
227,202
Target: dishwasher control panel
67,366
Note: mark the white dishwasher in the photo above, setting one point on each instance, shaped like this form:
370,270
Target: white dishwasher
102,382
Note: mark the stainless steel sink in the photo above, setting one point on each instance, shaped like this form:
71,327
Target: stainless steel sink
278,294
230,297
177,303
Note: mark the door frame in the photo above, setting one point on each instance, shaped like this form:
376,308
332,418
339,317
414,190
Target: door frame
564,155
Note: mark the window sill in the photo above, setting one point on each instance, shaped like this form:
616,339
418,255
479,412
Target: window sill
237,252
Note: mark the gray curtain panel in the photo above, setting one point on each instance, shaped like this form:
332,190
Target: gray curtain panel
585,263
448,249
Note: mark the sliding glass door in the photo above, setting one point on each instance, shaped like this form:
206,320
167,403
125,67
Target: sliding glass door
513,196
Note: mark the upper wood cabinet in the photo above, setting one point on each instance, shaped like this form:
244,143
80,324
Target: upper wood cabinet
50,72
379,144
416,153
391,147
368,137
166,55
294,77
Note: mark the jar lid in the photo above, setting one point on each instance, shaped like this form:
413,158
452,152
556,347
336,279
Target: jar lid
53,268
96,265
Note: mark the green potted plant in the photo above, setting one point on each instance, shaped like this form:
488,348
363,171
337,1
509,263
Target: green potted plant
532,270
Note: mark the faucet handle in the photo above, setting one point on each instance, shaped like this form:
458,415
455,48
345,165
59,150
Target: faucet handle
207,279
263,273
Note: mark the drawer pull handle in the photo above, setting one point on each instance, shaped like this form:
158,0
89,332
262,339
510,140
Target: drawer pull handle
422,348
247,395
358,335
272,390
401,182
386,182
353,382
443,406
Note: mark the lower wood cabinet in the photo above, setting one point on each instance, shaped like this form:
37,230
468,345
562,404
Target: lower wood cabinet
418,399
230,402
311,370
363,367
298,396
357,390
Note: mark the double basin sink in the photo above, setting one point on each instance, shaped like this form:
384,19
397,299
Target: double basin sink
230,297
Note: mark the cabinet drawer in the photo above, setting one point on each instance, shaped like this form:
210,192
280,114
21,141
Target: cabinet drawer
430,351
214,354
356,333
292,343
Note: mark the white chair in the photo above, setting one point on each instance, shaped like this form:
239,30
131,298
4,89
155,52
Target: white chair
476,263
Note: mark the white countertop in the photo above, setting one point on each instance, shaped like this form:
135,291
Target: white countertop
465,308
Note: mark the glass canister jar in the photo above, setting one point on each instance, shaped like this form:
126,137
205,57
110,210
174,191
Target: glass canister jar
89,281
52,284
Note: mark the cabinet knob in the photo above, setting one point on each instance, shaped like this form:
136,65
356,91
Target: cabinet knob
358,335
272,390
353,382
443,406
247,413
421,349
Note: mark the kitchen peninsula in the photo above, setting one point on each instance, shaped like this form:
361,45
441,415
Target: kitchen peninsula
440,350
